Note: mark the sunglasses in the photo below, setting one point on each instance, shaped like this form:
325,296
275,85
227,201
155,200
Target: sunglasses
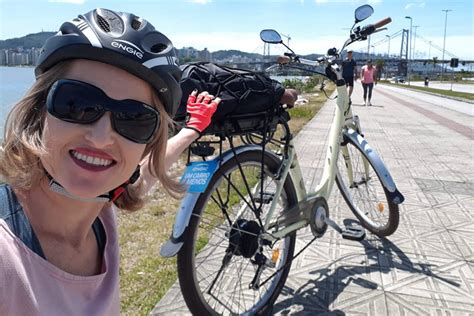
82,103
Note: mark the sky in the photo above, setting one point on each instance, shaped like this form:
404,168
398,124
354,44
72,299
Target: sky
313,25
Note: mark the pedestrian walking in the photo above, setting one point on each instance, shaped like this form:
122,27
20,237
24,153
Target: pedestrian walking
368,77
349,72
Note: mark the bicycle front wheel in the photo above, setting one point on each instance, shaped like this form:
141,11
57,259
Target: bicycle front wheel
222,256
364,193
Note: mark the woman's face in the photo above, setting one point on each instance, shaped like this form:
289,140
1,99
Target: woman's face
91,159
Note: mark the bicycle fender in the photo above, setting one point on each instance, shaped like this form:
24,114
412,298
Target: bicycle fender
377,163
183,216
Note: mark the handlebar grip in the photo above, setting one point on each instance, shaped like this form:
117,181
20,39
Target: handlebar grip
283,60
382,22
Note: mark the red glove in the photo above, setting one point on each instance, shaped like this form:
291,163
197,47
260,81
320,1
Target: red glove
200,110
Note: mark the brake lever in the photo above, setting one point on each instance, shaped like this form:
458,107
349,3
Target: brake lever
381,29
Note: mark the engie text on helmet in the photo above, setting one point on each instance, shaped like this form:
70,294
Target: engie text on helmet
128,49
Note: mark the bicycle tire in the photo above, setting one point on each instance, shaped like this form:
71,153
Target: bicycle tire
195,277
368,200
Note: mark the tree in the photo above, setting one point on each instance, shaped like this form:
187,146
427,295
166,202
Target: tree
380,64
434,61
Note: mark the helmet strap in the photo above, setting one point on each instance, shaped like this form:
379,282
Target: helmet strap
111,196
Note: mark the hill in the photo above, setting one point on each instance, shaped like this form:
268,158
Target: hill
222,54
28,41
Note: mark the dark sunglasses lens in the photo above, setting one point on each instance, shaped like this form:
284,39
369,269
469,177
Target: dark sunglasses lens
81,103
75,103
138,123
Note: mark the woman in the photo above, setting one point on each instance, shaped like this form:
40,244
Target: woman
89,136
368,76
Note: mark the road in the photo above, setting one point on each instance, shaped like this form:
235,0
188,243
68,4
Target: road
459,87
427,266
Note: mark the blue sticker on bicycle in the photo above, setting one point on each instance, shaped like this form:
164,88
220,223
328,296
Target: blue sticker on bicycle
198,175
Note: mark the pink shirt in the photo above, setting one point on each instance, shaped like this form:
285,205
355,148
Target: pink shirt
368,74
30,285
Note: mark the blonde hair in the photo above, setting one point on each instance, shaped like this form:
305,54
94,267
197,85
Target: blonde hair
22,147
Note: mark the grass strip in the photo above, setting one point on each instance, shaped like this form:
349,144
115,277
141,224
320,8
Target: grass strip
449,93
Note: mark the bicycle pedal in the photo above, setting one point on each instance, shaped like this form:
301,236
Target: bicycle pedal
353,232
265,198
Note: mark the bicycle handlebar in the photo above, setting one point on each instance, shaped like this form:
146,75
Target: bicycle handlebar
359,34
383,22
372,28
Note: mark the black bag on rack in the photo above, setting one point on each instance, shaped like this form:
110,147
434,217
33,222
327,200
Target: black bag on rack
245,95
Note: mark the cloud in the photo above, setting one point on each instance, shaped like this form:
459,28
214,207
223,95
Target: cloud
201,1
419,4
68,1
319,2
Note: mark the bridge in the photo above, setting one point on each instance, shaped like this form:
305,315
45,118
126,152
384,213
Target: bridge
398,63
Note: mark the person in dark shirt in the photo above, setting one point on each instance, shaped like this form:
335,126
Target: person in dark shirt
349,72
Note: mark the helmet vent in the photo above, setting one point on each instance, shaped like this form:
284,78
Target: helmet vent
136,24
157,48
103,23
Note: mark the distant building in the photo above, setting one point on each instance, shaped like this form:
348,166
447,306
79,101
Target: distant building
3,57
188,52
205,55
34,55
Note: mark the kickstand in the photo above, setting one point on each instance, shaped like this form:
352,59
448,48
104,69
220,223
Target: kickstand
352,232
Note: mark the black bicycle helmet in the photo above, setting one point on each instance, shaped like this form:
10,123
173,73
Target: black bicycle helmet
122,40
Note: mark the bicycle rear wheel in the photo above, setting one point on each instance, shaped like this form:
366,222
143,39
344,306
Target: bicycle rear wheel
364,193
218,260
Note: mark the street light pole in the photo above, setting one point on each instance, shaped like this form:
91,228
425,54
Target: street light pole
368,47
388,50
444,41
414,40
388,54
409,48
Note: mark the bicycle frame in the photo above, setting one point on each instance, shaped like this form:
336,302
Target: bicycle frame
291,167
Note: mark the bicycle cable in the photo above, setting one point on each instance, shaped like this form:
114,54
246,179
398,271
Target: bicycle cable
288,263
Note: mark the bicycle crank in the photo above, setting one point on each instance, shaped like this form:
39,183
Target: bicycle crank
320,212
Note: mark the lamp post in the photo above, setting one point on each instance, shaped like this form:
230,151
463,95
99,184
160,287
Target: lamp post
414,40
368,47
388,50
373,51
409,48
388,54
444,41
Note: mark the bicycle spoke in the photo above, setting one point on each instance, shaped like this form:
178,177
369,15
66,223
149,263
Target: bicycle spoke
366,195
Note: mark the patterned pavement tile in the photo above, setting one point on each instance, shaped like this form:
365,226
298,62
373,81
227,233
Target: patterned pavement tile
427,266
463,236
399,304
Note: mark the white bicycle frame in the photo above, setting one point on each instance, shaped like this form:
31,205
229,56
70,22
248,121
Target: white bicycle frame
291,167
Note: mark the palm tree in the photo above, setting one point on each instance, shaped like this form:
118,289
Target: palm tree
434,61
380,64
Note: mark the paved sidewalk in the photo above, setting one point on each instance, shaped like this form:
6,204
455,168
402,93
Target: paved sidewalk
427,266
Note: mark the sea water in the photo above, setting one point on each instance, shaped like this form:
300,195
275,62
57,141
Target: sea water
14,83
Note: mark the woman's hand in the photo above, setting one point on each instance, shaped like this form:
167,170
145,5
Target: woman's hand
200,109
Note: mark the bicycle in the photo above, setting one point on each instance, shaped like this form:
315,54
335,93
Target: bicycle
235,231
